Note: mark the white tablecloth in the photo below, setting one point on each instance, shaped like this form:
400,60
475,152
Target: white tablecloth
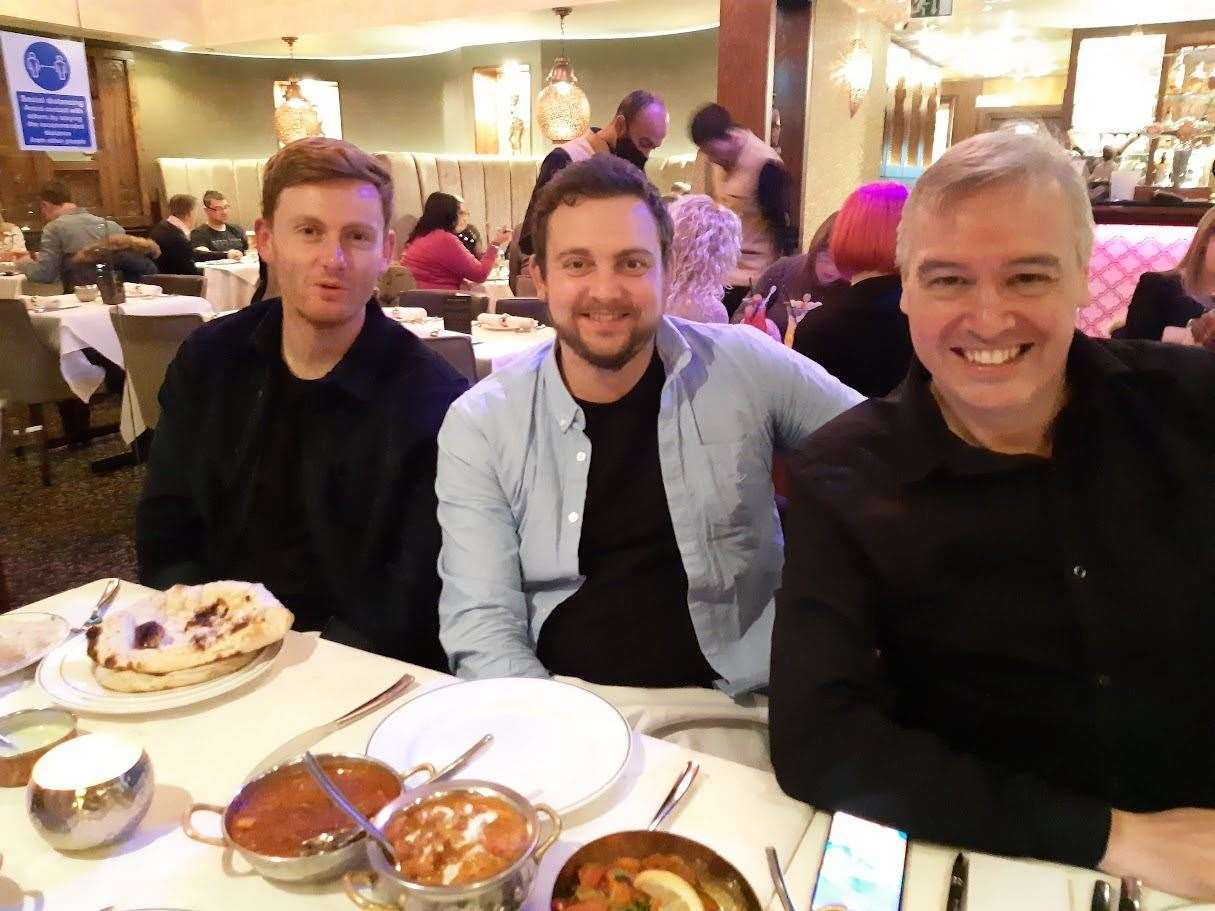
493,350
202,753
494,289
230,285
10,286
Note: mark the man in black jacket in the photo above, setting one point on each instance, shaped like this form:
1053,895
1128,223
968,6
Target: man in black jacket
994,629
173,237
297,440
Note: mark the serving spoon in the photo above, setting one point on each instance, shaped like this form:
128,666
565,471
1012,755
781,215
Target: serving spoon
339,798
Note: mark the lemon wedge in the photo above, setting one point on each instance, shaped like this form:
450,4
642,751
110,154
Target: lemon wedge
725,901
673,892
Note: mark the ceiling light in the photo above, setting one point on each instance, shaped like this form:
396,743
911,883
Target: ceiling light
855,71
297,117
562,109
172,44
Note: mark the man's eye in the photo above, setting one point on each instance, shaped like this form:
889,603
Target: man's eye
945,282
309,230
635,265
575,265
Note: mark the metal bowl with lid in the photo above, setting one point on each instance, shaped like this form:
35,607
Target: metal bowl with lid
384,889
318,866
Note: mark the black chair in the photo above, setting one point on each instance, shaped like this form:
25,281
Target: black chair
457,350
524,306
189,285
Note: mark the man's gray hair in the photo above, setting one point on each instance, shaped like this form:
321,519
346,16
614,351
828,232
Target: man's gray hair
998,159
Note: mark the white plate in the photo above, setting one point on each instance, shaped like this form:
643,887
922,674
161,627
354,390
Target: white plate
25,623
553,743
67,676
498,327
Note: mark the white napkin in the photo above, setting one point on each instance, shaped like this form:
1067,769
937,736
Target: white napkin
133,290
506,321
409,314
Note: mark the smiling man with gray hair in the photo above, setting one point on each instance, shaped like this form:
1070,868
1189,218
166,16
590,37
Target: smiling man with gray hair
994,628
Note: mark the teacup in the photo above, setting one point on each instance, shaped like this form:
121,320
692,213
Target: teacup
86,293
90,791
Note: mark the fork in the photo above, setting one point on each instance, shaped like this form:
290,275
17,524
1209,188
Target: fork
108,594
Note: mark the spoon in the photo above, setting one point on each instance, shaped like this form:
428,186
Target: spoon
8,744
331,841
340,799
778,879
676,794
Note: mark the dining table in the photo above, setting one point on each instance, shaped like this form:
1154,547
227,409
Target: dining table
493,348
230,284
203,753
68,327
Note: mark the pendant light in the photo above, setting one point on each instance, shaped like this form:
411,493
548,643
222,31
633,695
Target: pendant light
562,109
297,117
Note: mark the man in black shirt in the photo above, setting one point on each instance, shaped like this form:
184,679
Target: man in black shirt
297,440
994,629
173,237
217,235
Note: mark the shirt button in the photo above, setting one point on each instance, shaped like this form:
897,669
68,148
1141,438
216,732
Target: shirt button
1103,680
581,457
573,517
1079,571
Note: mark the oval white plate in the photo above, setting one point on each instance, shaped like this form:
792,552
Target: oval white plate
67,676
553,743
13,624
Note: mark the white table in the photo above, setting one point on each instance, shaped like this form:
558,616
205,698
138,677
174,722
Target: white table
494,289
10,286
202,753
493,349
230,285
68,332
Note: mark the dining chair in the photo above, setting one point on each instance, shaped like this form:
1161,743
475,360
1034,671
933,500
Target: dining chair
524,286
6,600
189,285
149,344
524,306
30,377
457,308
457,350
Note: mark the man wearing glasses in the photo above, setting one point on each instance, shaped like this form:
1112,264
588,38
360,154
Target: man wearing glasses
217,234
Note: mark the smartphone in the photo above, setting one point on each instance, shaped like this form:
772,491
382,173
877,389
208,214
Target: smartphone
862,867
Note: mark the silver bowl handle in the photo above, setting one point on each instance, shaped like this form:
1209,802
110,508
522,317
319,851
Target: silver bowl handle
355,882
187,824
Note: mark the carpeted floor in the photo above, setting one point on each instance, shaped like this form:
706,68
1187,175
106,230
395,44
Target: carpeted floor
80,529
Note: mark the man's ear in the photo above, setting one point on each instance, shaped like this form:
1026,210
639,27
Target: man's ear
265,246
537,274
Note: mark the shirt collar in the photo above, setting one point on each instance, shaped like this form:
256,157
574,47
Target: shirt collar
357,372
928,445
672,348
179,224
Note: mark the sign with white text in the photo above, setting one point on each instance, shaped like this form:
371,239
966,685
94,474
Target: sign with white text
48,85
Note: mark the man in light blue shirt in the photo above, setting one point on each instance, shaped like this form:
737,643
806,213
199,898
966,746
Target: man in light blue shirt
606,500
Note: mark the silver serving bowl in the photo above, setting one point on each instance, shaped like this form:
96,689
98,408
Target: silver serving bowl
383,889
74,819
324,864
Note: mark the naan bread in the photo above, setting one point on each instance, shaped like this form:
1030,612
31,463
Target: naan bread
135,682
187,627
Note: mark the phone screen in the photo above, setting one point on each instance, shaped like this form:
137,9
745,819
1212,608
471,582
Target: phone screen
862,867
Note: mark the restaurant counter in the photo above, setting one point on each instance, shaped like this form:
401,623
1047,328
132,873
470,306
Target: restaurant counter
1132,238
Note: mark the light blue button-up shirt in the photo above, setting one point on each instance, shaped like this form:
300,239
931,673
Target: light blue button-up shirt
513,465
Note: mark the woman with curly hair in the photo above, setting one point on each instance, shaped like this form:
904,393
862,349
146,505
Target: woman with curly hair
703,252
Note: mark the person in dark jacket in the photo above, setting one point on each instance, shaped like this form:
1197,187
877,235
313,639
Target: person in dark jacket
1176,297
861,337
172,235
297,440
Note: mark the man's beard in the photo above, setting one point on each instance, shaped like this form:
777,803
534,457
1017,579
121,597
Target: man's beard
569,337
625,148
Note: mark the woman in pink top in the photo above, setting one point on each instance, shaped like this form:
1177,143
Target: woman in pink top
434,254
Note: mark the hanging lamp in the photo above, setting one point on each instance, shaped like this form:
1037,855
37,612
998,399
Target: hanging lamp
562,109
297,117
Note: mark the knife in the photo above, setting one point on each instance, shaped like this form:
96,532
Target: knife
1101,896
1129,897
957,884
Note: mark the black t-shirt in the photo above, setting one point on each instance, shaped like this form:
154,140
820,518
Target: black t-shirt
628,625
277,548
230,238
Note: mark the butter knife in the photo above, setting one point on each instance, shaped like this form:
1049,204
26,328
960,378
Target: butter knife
296,745
1101,896
1130,895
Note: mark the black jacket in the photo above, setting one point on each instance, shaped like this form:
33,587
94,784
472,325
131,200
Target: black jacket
176,255
861,338
1160,300
366,466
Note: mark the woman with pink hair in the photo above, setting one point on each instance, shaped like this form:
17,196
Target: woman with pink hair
704,251
862,337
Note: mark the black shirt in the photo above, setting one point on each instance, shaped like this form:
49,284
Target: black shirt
628,624
358,450
862,338
232,237
177,257
992,651
1160,300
